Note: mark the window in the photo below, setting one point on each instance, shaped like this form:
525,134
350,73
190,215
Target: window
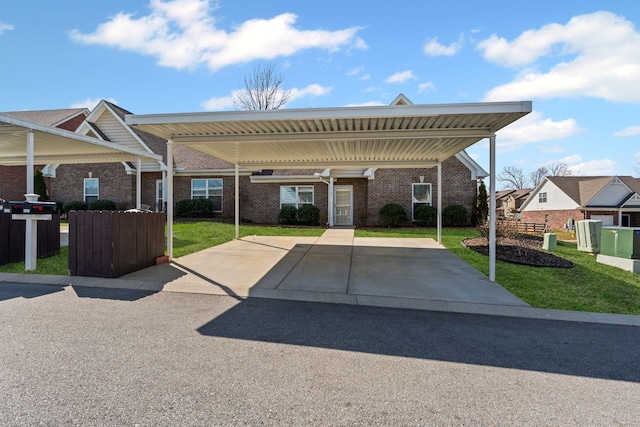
421,195
542,197
208,189
296,195
91,190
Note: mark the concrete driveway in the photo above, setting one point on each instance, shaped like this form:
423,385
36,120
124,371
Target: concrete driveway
336,267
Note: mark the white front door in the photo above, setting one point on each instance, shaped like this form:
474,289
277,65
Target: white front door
159,196
343,205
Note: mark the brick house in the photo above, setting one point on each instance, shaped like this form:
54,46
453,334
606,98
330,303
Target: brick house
358,193
559,201
508,202
13,178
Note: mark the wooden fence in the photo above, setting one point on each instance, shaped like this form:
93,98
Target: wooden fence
111,244
523,227
12,234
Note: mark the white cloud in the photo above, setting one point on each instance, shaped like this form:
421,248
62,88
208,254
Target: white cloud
227,102
434,48
183,34
91,103
365,76
426,87
366,104
629,131
355,71
5,27
595,55
579,167
401,77
534,128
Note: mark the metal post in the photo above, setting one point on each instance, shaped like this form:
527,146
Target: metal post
440,202
139,183
492,208
330,202
170,199
237,203
31,230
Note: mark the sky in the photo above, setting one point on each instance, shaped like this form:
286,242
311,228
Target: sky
579,62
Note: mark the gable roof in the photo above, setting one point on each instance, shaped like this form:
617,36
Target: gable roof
581,189
48,117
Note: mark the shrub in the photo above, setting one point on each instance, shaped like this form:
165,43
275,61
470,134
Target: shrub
102,205
40,186
288,215
426,215
194,208
392,215
454,216
308,215
77,205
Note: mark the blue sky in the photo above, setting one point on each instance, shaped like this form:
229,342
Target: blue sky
579,62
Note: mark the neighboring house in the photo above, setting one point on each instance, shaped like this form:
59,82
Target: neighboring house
13,178
559,201
508,202
358,194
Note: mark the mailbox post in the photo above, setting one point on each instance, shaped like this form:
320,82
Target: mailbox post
31,211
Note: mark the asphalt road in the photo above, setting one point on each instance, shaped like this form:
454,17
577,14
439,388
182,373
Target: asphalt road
88,356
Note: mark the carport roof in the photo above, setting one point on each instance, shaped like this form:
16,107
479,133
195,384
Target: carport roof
350,137
57,146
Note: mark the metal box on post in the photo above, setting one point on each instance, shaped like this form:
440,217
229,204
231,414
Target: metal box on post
621,242
588,233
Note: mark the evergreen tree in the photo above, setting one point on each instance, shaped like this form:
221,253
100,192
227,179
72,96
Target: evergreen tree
40,186
483,204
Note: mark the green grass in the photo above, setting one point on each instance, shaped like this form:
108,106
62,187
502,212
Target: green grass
190,237
589,286
57,264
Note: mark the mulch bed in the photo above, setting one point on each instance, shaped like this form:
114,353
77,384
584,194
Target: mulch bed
523,250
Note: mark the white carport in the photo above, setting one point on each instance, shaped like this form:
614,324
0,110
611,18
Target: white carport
27,143
397,136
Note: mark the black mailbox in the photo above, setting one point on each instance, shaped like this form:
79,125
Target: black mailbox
33,207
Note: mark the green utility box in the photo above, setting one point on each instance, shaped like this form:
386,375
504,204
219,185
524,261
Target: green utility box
621,242
550,242
588,235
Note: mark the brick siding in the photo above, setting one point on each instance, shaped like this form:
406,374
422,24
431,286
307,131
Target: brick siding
13,182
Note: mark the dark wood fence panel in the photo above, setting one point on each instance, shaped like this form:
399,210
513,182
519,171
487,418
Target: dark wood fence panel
12,233
112,244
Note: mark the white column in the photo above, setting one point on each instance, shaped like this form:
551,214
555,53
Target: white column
139,183
492,208
237,203
439,202
330,202
619,217
169,197
31,230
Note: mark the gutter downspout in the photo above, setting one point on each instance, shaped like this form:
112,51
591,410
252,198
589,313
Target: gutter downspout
330,199
170,199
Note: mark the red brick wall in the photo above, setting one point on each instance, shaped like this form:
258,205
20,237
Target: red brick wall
115,184
394,186
13,182
556,219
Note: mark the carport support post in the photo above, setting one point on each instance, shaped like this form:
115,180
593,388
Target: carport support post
170,199
330,202
237,204
138,183
31,230
439,203
492,208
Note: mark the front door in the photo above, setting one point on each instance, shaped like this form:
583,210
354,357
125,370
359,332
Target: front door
159,196
343,205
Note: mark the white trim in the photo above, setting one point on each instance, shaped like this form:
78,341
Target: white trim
271,179
429,203
476,170
211,172
84,189
337,188
208,196
297,190
160,200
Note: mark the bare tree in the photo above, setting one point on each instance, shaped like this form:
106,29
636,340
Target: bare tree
559,169
538,175
263,89
512,177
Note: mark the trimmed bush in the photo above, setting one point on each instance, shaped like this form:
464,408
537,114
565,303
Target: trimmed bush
426,215
392,215
77,205
40,186
288,215
194,208
454,216
308,215
102,205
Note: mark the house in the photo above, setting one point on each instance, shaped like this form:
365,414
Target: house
357,196
508,202
559,201
13,178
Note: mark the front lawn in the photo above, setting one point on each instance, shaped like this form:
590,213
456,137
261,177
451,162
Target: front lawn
589,286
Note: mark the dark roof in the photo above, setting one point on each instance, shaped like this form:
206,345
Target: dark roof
522,193
98,131
503,193
189,159
47,117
